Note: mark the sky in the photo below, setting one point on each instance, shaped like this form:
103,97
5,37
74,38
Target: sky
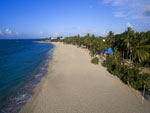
52,18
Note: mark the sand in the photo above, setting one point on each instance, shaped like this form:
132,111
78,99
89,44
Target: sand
74,85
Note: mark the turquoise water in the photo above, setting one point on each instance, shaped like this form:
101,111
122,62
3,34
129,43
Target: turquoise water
22,65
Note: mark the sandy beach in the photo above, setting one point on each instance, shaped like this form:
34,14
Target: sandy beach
74,85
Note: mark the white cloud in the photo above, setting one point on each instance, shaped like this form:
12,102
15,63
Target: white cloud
129,25
41,33
55,34
73,29
130,9
119,14
1,32
104,33
107,1
17,33
8,31
89,30
115,2
147,10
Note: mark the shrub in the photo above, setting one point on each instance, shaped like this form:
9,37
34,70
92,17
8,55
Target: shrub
95,60
130,76
92,54
113,65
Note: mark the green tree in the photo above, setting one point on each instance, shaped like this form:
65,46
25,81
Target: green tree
110,38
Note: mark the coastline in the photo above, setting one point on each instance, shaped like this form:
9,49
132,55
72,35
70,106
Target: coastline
25,76
74,85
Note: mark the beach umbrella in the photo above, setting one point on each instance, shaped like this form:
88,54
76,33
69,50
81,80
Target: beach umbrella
109,51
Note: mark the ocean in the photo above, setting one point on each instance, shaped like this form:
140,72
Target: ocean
22,65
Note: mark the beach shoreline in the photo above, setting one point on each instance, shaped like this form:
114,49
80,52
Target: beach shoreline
74,85
25,69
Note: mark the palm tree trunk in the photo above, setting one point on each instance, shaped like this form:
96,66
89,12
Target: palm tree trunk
123,54
130,57
127,54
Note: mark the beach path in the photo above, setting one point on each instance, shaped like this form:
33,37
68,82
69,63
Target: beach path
74,85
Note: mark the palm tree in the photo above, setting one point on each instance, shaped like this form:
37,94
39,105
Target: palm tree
128,42
110,38
98,46
116,53
141,54
88,40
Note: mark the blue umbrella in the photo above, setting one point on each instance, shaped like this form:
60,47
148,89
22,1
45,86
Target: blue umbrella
108,51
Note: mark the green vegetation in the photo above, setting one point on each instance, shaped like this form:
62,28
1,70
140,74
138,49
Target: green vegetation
131,52
58,39
129,75
95,60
